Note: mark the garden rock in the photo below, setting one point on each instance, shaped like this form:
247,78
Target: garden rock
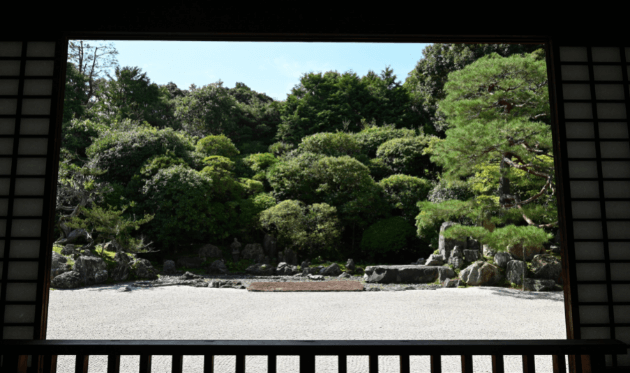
514,271
488,251
546,267
76,236
554,249
446,245
236,249
122,270
501,259
344,275
316,277
312,270
472,255
253,252
260,270
406,274
331,270
539,285
144,270
68,280
472,244
88,267
481,274
58,265
530,251
350,267
190,276
100,277
452,283
435,260
190,262
419,261
270,246
218,266
457,257
210,251
285,269
169,267
225,284
68,250
124,289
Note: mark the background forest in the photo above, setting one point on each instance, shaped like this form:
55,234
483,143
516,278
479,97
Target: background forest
345,167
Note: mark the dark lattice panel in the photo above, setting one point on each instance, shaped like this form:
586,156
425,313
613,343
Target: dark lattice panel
593,111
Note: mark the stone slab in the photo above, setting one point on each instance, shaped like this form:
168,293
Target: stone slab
306,286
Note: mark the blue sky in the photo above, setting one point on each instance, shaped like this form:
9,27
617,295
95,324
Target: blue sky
270,67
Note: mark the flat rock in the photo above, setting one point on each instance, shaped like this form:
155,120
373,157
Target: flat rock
406,274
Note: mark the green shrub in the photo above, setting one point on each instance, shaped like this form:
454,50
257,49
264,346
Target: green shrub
387,235
217,145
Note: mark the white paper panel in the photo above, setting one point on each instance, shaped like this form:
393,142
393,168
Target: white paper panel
8,106
26,228
38,87
21,292
616,189
612,130
19,313
585,189
607,72
28,206
18,332
574,72
10,48
594,314
609,92
9,68
573,54
5,166
39,68
22,270
619,250
582,169
576,91
618,210
33,147
24,249
6,146
592,293
578,110
614,170
614,149
587,230
621,293
4,206
5,183
29,187
590,272
595,332
581,149
36,106
618,230
622,314
3,227
577,130
43,49
611,111
7,126
9,87
34,126
586,210
31,166
620,271
606,54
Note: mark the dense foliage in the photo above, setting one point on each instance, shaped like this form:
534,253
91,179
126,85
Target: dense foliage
346,166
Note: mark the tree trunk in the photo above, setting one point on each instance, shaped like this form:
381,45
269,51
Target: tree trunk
504,182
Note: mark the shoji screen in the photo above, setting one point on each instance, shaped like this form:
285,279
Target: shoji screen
593,120
29,88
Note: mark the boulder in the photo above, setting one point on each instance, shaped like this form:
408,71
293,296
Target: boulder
305,264
122,270
452,283
210,251
406,274
312,270
435,260
457,257
481,274
270,246
514,271
225,284
316,277
446,245
472,244
344,275
350,267
445,274
58,265
169,267
253,252
100,277
420,261
190,276
76,236
218,267
68,250
331,270
488,251
190,262
260,270
472,255
144,270
285,269
539,285
546,267
530,251
88,267
68,280
501,259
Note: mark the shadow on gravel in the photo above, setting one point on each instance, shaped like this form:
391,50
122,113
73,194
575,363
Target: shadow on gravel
557,296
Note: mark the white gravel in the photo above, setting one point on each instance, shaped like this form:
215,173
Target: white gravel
183,312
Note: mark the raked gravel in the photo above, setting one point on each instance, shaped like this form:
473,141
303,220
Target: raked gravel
185,312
